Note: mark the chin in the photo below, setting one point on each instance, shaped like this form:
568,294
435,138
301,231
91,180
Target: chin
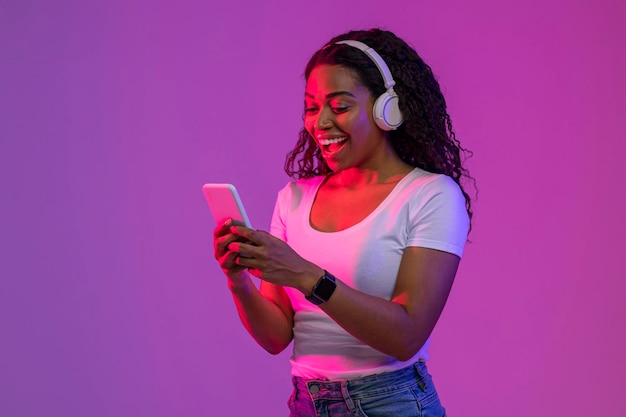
335,167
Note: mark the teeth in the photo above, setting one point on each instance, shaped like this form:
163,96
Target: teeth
326,142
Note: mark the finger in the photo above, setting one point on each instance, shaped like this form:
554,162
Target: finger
220,237
229,261
253,235
222,243
226,261
248,249
222,229
246,262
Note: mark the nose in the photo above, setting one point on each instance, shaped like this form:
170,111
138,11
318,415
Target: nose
323,120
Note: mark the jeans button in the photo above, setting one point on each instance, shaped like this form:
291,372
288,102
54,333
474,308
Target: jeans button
314,389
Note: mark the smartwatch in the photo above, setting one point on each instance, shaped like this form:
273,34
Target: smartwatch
323,289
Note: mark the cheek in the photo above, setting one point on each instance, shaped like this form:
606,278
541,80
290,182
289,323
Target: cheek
358,125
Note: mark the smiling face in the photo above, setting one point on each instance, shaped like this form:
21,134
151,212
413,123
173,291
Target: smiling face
338,115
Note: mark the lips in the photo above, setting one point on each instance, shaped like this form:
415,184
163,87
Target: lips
330,141
332,145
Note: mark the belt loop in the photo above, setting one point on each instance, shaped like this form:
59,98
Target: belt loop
346,396
418,377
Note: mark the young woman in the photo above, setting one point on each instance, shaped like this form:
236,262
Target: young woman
365,244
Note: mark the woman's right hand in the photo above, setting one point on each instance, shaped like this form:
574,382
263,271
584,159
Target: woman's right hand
222,237
267,315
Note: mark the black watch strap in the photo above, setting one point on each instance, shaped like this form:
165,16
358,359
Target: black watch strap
323,289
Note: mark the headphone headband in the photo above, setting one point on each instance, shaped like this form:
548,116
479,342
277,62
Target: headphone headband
377,59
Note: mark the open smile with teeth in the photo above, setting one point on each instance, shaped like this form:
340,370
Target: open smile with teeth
332,145
325,142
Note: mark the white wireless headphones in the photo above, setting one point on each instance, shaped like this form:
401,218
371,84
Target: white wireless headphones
387,114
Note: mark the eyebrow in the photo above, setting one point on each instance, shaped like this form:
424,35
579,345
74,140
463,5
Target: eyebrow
333,94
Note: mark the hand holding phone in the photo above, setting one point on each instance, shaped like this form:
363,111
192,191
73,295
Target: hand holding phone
225,203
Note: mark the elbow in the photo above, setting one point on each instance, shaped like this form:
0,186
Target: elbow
275,349
408,350
405,355
276,346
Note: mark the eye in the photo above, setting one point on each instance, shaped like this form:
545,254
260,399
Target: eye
340,109
310,110
339,106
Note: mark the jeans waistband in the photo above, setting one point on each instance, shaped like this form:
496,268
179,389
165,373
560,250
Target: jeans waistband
396,380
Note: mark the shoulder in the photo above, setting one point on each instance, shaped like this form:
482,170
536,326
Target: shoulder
437,216
299,188
437,199
424,185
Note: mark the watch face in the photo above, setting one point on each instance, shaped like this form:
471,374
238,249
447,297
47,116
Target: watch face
325,288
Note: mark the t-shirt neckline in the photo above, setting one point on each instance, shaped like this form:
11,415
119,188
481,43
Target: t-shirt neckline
367,218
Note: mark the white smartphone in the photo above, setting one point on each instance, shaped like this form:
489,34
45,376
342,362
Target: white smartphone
225,203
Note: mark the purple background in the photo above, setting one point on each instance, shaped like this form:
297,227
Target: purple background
114,113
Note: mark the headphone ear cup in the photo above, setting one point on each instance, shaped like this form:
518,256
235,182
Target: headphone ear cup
387,114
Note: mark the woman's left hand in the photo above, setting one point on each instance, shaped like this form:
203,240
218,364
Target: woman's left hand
273,260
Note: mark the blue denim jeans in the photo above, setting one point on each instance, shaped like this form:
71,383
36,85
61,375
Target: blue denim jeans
408,392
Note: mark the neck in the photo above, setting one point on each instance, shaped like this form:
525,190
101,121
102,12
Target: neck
362,176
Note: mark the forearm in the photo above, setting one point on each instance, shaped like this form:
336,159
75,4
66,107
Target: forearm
384,325
398,327
263,319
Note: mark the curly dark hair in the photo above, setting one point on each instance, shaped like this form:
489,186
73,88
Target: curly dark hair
425,139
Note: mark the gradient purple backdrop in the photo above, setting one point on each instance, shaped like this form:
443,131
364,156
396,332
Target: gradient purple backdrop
113,114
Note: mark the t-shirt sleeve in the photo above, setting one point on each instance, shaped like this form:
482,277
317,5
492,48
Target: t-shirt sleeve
277,225
438,217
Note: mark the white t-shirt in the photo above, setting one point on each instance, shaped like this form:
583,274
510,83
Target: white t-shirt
424,209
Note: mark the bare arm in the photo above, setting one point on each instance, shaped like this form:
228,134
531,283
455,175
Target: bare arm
398,327
266,314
